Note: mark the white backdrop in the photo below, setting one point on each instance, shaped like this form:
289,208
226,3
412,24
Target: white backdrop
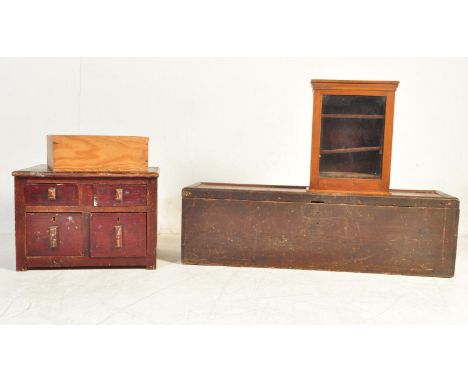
228,120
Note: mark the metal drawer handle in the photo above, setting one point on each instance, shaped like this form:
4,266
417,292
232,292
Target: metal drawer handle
53,236
52,193
118,236
118,194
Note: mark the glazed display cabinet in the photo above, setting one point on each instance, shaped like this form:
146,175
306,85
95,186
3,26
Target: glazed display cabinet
352,135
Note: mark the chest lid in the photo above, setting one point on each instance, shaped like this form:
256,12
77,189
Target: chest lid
299,194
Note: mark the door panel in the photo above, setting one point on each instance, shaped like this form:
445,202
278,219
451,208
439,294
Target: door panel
54,234
118,235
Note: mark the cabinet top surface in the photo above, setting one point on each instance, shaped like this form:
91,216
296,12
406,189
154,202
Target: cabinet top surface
42,171
354,84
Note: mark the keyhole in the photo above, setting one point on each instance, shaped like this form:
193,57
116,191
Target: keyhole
118,219
53,219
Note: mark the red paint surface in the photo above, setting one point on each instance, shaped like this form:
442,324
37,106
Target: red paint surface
133,195
102,235
70,234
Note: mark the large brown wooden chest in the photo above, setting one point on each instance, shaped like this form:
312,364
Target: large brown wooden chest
403,232
81,219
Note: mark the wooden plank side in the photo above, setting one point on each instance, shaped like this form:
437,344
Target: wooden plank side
450,239
152,223
20,225
71,153
356,238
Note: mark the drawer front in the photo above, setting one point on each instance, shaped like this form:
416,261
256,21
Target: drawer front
107,195
49,234
118,235
54,194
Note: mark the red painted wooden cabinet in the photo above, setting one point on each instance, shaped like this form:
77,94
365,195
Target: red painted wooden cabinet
85,219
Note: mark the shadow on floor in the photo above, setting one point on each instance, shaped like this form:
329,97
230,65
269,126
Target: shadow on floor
171,255
7,260
7,252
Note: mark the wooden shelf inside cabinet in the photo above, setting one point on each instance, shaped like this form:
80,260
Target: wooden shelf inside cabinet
351,150
354,175
352,131
356,116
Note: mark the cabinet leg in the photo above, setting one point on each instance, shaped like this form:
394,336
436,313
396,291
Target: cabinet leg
153,266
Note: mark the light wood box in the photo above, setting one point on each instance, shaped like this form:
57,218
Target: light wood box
97,153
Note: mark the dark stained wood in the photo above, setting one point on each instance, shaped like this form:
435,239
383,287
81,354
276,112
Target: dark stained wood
375,185
137,212
269,193
358,116
351,150
402,232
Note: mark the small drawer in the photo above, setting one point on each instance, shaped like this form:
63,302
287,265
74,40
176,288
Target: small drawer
51,194
111,195
118,235
49,234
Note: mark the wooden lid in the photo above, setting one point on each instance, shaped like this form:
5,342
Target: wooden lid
299,194
354,84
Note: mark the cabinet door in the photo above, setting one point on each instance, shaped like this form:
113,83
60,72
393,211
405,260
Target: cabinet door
352,136
54,234
118,235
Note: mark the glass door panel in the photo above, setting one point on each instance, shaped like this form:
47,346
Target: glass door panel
352,134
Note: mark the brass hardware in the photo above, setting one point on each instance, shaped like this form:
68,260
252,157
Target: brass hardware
53,236
118,194
118,236
52,193
186,193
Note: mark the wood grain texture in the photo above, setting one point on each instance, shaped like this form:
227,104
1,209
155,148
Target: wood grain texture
97,153
403,232
137,213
